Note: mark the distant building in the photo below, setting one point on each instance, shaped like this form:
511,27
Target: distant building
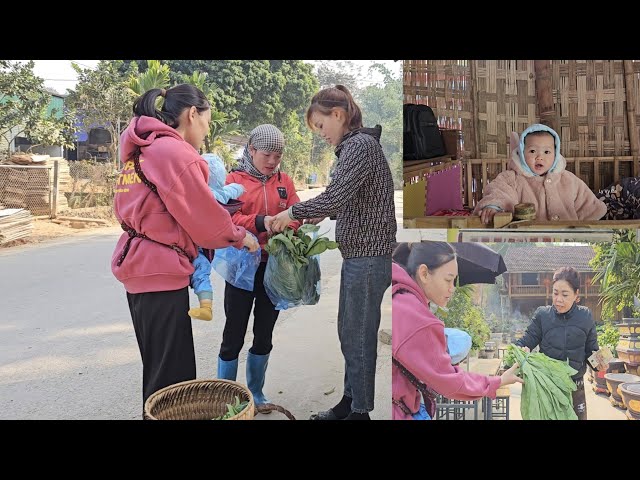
21,143
528,282
91,145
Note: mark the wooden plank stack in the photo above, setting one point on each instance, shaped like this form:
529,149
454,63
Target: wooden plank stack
13,184
26,186
15,223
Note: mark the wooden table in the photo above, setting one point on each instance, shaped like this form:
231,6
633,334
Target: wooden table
504,220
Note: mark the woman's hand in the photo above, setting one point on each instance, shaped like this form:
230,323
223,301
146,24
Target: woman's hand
509,377
250,243
280,222
267,224
526,349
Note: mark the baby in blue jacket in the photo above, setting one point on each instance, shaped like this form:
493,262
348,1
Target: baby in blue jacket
201,277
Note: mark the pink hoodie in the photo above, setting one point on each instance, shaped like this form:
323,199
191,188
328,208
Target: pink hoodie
419,343
183,212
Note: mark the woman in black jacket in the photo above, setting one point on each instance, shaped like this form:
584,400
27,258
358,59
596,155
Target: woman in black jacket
564,331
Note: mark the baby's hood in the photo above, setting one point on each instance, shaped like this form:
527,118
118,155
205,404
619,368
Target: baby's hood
517,156
458,344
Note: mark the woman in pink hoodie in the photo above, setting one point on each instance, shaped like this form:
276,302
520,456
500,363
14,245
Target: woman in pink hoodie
164,205
424,273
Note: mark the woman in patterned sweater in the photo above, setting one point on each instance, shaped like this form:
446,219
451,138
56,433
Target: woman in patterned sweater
360,196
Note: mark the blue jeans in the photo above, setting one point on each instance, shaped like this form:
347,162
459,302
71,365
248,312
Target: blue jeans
362,285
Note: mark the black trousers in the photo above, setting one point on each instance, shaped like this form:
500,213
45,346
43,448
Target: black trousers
580,400
165,339
237,308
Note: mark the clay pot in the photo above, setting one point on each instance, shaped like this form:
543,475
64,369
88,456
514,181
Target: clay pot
631,397
600,384
628,347
629,326
613,382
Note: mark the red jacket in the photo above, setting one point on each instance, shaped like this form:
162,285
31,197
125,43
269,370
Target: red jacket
183,212
260,200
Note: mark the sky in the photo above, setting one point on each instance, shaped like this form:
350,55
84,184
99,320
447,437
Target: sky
59,76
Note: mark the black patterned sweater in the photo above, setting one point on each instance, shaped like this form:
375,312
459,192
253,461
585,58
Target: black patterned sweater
360,195
622,199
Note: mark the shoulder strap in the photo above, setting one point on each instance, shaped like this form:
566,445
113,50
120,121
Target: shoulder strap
428,394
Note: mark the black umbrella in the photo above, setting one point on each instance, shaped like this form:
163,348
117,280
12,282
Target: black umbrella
477,263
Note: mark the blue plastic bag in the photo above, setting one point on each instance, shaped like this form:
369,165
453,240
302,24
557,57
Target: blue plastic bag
288,286
237,266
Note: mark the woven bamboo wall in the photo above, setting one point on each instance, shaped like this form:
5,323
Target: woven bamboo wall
444,86
506,93
589,98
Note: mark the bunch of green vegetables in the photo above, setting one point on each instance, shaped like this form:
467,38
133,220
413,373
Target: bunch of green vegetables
547,389
233,409
300,244
292,275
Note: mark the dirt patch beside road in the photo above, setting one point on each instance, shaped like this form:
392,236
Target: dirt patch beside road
47,229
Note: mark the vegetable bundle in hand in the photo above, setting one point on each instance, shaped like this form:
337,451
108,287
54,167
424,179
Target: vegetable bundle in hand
546,393
292,276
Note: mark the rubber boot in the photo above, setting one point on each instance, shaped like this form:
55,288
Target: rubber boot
227,370
256,370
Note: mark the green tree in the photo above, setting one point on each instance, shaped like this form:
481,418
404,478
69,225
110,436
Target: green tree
382,105
156,76
331,73
23,108
252,91
103,98
608,336
463,314
298,146
618,269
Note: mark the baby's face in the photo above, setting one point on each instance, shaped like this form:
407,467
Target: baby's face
539,152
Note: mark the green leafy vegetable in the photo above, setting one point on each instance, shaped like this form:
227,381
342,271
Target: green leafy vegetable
548,387
233,409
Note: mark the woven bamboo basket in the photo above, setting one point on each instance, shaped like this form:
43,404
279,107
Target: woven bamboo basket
198,400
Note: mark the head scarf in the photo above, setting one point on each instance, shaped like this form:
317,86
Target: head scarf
264,137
